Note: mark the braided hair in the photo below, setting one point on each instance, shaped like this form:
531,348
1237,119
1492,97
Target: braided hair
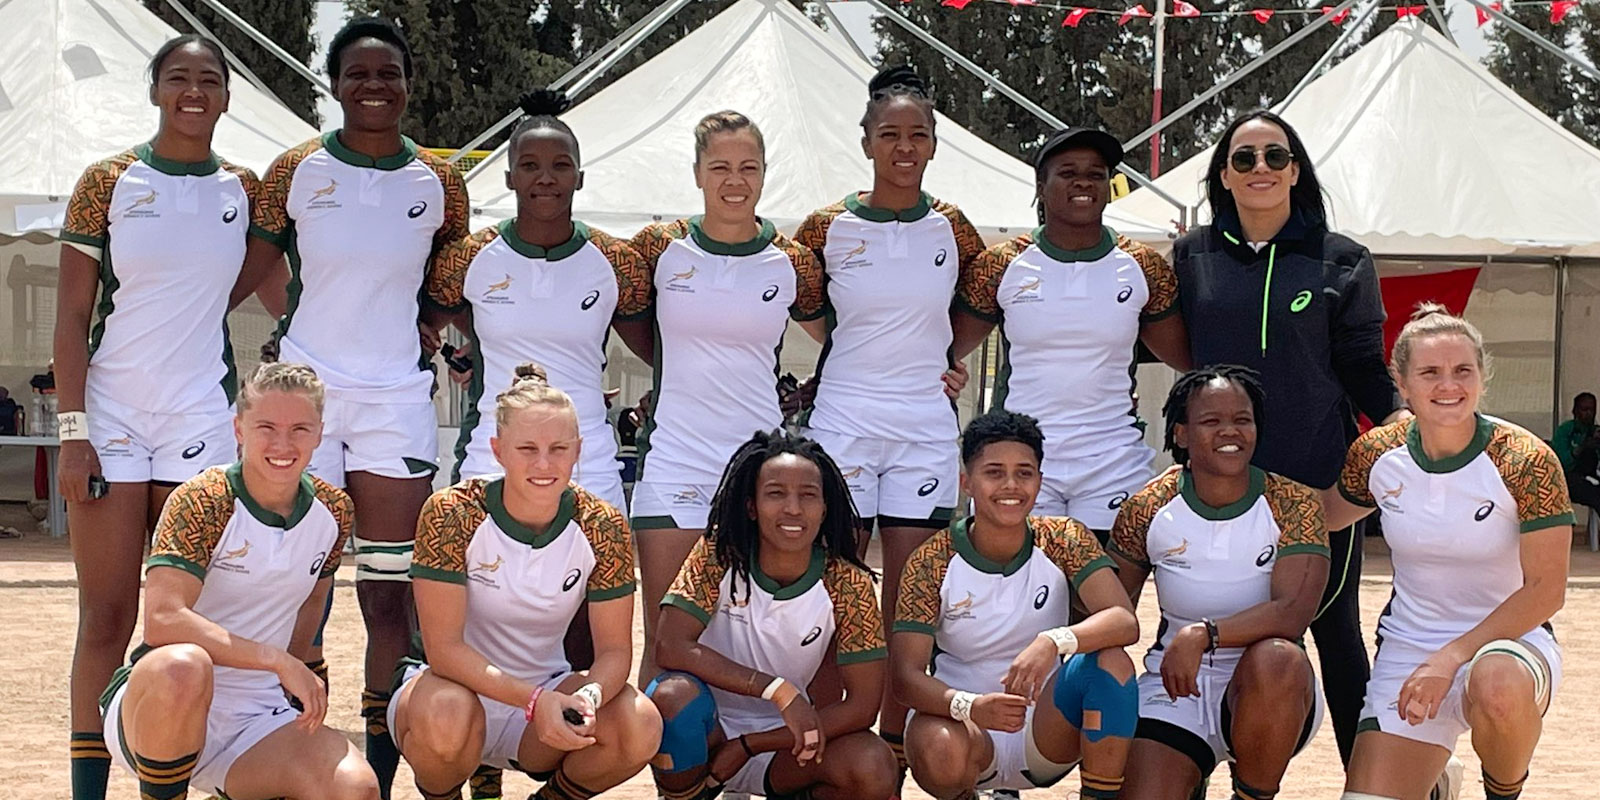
1176,411
736,538
893,82
543,108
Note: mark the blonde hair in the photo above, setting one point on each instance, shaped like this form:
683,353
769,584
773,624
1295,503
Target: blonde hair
530,387
724,122
1433,319
278,376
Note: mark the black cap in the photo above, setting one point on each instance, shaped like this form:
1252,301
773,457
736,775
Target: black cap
1097,140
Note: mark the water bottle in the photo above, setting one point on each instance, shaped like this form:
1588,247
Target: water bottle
51,404
36,416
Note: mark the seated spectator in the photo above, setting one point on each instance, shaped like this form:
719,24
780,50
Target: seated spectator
10,414
1577,444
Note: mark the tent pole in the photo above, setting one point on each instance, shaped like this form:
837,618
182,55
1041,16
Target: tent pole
271,46
586,81
1010,93
1444,24
1239,73
833,19
516,113
233,60
1562,278
1316,69
1576,63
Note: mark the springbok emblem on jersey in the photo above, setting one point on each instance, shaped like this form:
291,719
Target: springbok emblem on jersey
961,609
851,473
1029,285
1393,494
683,276
501,286
490,566
859,249
326,191
1176,551
144,200
124,441
239,553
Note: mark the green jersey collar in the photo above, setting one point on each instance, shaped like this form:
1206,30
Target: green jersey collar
1480,440
813,573
494,496
853,202
1108,240
1258,484
408,152
747,248
961,537
302,500
146,153
580,236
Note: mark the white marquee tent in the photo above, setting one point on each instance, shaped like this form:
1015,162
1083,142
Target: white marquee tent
806,90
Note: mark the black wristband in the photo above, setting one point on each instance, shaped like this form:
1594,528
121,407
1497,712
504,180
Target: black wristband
1213,638
746,745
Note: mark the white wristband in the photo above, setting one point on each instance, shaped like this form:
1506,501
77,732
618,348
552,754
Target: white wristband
1065,640
772,689
591,693
961,706
72,426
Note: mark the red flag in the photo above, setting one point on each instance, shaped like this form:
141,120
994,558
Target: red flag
1024,2
1136,11
1074,17
1483,16
1559,9
1338,19
1402,12
1180,8
1262,15
955,4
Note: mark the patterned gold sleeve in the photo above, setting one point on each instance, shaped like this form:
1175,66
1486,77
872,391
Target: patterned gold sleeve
1533,476
857,623
255,194
274,225
1159,276
192,523
1071,546
969,243
444,529
634,276
813,232
612,543
1130,533
978,287
1297,508
446,281
1362,455
809,298
653,240
698,583
922,584
88,219
344,513
456,208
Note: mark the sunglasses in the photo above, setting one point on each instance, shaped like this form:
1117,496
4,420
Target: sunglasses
1277,157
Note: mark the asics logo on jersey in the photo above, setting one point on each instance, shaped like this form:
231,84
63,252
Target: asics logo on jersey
938,260
489,566
416,210
326,191
771,292
589,300
1484,511
815,634
1266,556
1117,500
927,488
1300,302
229,214
194,450
317,564
571,580
1040,597
961,609
1127,292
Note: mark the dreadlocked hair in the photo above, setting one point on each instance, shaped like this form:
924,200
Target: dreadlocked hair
892,82
1176,411
736,537
542,108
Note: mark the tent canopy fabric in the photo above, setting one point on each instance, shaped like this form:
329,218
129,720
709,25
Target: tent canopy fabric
73,90
1422,152
806,90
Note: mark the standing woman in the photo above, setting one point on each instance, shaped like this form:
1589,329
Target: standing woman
1477,516
724,287
1073,299
1268,286
546,287
152,248
360,211
893,257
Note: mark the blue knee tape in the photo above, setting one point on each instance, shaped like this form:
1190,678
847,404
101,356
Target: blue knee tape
1081,685
684,734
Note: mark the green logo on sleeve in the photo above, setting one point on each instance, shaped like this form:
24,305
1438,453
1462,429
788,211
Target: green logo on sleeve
1301,300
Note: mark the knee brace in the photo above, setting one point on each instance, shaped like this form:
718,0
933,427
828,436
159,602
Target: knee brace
1087,695
1524,655
684,734
383,561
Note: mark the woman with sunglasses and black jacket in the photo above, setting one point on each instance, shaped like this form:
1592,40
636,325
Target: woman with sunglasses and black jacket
1269,286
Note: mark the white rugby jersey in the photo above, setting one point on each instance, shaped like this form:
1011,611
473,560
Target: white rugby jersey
720,313
1215,562
980,613
783,631
170,238
552,306
891,276
523,585
359,233
1069,323
257,568
1453,526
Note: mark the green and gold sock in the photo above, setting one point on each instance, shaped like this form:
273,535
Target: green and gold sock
319,668
164,780
450,794
1099,787
1497,790
485,783
561,787
381,752
1244,791
91,765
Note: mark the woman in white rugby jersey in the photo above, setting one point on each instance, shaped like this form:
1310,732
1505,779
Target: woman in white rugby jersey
1478,521
501,566
152,252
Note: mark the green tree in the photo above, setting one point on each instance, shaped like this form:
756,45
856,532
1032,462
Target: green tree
1540,77
285,22
1588,88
